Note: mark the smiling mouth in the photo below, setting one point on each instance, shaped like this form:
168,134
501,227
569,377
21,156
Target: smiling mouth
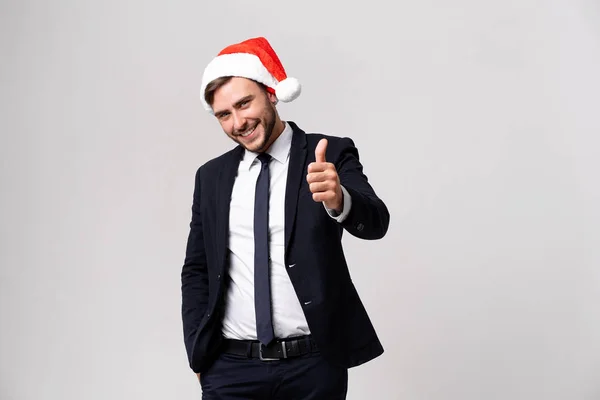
248,132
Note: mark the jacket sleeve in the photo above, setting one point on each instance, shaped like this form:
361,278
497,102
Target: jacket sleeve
194,274
368,217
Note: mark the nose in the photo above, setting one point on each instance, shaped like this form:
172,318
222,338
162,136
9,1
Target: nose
239,122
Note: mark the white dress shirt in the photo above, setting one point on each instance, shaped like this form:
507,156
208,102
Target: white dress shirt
239,321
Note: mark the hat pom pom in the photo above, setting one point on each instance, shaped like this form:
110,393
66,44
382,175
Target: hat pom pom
288,89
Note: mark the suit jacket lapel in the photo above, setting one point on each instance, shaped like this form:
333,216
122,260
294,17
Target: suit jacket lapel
296,172
225,180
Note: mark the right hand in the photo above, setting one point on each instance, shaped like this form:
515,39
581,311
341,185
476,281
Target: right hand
323,180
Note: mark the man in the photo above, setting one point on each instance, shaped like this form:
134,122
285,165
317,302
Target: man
268,305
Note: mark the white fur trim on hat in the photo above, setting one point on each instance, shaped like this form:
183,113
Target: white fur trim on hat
288,89
244,65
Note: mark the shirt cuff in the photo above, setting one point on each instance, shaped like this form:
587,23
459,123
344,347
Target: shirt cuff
345,210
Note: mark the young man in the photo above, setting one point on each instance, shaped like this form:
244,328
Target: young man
269,309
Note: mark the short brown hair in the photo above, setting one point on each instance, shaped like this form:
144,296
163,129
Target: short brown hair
211,88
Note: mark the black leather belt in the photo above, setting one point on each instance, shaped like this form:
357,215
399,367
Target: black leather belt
276,350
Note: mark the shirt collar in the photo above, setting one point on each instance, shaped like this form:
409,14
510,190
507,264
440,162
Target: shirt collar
279,150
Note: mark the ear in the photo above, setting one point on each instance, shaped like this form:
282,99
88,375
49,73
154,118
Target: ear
272,98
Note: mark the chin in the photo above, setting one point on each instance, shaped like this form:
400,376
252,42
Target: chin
257,145
255,148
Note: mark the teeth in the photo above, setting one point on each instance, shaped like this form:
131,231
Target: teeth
248,133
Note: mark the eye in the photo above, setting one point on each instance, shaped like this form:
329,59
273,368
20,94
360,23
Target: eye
223,115
244,104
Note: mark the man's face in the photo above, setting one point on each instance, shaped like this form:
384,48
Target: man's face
246,113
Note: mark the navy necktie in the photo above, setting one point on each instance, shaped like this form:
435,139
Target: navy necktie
262,287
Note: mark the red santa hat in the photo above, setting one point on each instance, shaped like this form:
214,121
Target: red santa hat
253,59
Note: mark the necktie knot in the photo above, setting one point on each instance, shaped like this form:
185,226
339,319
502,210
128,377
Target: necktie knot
264,158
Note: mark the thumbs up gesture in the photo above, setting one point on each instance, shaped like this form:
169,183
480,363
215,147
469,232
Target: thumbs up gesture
323,180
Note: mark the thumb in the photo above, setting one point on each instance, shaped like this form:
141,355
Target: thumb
320,151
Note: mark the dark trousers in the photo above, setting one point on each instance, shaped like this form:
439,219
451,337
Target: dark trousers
306,377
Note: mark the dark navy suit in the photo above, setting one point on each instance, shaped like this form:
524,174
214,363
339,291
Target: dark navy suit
314,257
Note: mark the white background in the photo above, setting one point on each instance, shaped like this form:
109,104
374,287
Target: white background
476,121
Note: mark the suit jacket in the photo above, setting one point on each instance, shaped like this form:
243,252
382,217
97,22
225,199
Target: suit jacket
313,253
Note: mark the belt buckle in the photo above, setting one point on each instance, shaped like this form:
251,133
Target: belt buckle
262,358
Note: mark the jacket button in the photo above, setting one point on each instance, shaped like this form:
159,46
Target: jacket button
360,226
218,276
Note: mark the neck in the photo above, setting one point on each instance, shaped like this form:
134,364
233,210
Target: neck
277,131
